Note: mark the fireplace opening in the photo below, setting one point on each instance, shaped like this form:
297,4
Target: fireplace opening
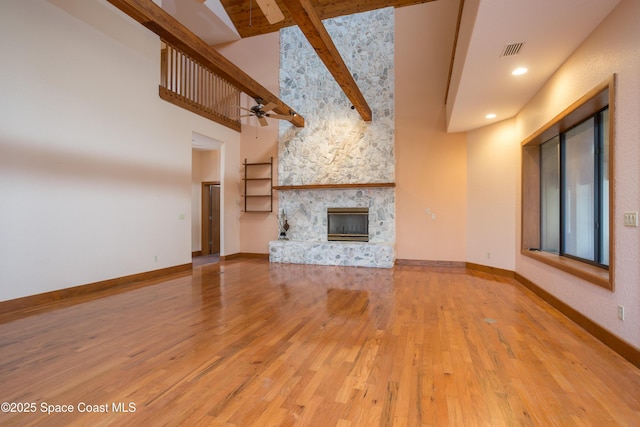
348,224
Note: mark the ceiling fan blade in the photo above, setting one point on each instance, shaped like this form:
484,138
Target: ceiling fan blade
270,106
271,10
279,116
263,121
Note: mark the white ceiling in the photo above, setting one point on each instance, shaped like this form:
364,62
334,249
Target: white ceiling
481,79
482,82
204,143
208,20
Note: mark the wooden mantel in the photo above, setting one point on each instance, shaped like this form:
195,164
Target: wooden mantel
334,186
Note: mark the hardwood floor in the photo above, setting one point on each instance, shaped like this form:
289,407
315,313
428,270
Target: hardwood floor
248,343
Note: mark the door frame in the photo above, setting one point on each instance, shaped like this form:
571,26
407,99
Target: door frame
204,240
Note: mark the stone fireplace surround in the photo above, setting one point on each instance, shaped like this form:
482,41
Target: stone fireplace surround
306,212
338,160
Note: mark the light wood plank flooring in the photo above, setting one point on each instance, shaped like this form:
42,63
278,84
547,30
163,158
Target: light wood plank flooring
248,343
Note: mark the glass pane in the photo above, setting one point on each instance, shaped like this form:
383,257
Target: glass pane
604,229
550,196
579,186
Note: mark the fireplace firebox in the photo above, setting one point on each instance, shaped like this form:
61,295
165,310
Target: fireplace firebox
348,224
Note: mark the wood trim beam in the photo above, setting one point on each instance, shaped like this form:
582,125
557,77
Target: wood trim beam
241,255
254,24
615,343
183,102
333,186
20,307
400,262
453,51
154,18
307,19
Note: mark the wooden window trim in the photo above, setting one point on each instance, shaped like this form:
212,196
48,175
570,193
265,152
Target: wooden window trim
598,98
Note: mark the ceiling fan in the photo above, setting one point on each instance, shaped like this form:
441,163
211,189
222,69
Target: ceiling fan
270,9
261,111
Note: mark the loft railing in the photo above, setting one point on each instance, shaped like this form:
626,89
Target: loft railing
190,85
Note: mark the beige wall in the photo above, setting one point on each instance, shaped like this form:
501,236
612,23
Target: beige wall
493,155
431,165
260,58
205,167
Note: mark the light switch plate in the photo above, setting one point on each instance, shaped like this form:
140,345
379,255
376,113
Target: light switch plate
631,219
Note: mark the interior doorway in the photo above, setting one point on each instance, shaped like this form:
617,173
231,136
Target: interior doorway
210,218
207,201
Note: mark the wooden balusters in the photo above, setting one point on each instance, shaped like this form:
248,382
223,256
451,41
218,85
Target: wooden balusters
188,84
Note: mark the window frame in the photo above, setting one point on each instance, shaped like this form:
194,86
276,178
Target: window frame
590,104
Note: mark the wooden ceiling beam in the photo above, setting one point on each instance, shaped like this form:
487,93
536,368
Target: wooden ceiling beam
164,25
250,22
306,18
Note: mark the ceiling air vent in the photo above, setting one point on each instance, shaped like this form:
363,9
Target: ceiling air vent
511,49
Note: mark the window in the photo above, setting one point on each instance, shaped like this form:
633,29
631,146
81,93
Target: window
566,190
574,191
550,198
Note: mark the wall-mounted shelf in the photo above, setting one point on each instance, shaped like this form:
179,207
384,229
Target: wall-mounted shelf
334,186
258,185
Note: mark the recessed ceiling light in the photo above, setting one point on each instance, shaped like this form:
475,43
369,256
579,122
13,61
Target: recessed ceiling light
490,116
519,71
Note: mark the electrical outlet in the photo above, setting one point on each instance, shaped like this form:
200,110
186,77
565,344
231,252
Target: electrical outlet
621,312
631,219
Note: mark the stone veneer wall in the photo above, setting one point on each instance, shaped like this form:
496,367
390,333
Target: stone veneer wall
336,146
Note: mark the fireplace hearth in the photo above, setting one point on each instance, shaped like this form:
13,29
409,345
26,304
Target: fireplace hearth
348,224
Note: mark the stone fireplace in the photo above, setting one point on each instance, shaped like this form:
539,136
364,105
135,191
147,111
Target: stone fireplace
306,211
337,160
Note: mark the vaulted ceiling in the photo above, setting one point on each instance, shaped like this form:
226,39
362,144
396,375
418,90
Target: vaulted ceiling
189,23
481,80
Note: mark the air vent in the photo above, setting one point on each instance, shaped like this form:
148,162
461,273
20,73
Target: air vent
511,49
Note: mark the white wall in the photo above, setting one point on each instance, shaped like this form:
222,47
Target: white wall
95,169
